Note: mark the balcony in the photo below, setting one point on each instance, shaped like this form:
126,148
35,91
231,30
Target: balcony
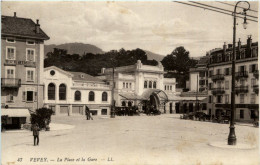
256,74
242,74
241,89
30,63
217,77
218,91
256,89
10,82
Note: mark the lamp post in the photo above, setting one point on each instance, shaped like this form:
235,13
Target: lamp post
112,114
232,136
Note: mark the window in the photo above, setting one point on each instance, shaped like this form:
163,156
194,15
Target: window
29,96
91,96
242,68
129,103
145,84
219,99
123,84
30,75
227,71
226,98
10,40
10,73
210,86
253,115
165,87
252,99
170,87
10,53
10,98
218,71
52,72
123,104
104,96
126,85
226,85
242,82
154,84
202,74
202,82
150,84
210,99
30,54
241,114
210,73
253,82
130,85
51,91
62,92
252,68
242,98
77,96
103,111
30,42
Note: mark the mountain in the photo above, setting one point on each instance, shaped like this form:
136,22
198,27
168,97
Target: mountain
74,48
154,56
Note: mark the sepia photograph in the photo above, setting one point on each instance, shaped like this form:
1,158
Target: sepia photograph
129,83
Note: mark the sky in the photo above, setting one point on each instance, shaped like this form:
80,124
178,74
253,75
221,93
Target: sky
159,27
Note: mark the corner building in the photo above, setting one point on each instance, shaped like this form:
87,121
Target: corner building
21,67
246,80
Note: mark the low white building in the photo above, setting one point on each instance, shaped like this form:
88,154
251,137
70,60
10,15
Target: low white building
141,85
68,93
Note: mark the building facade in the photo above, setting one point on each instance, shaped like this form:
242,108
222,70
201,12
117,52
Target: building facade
68,93
140,85
246,80
21,67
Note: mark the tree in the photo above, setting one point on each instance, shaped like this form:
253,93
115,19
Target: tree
42,117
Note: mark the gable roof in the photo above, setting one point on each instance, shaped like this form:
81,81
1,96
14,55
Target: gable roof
80,76
56,68
21,27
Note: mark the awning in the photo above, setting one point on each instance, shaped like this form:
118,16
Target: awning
130,96
12,112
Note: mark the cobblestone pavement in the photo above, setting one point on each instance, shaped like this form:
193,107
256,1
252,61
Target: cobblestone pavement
163,139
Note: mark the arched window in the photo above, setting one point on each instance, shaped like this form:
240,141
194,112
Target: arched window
104,96
62,92
145,84
77,96
51,91
123,84
91,96
129,103
123,104
154,84
150,84
164,87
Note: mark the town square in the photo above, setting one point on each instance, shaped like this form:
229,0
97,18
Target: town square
170,82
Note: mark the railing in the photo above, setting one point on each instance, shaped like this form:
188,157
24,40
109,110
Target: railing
256,89
218,91
241,89
242,74
10,82
29,63
256,74
217,77
91,85
10,62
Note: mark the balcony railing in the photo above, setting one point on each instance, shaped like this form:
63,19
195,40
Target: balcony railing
256,89
10,62
218,91
217,77
10,82
242,74
29,63
241,89
256,74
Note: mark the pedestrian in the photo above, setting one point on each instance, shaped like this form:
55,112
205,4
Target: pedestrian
87,113
35,130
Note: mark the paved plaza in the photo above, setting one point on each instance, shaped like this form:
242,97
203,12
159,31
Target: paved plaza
164,139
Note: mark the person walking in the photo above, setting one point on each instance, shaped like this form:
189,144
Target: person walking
36,134
87,113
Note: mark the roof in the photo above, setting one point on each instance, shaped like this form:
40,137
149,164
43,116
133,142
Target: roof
11,112
80,76
21,27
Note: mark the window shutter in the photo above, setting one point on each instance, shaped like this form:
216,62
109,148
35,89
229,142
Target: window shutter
35,96
24,96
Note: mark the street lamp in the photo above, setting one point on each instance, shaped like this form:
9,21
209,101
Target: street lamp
232,136
112,114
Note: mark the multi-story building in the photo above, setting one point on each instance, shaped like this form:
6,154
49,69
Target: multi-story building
139,84
68,93
246,80
21,68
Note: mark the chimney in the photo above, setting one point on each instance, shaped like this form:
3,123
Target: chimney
249,42
37,27
14,14
230,46
224,48
239,45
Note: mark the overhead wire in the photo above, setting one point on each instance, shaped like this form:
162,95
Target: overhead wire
235,5
221,9
205,8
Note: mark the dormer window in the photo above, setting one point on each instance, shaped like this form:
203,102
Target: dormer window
10,40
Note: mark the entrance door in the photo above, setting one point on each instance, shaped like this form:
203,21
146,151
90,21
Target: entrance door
154,101
177,107
170,107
